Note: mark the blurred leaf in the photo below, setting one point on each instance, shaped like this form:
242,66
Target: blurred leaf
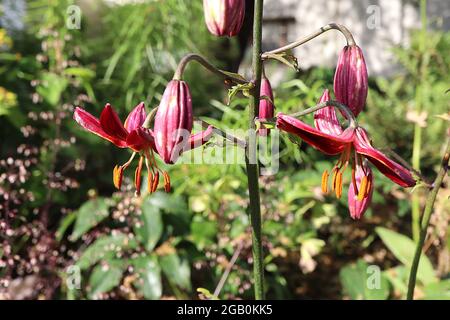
89,215
83,73
208,295
438,291
105,278
150,274
105,248
65,223
362,283
403,248
51,87
176,270
151,226
203,231
167,202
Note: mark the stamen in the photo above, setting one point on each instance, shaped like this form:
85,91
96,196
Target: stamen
325,176
333,181
118,176
149,181
339,185
362,189
166,181
355,185
155,182
368,188
137,176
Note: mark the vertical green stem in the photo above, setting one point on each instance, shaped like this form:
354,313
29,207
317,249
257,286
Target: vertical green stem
420,97
251,159
417,143
426,220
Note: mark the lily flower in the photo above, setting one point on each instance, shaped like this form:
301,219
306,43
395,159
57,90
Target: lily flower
134,136
131,135
354,147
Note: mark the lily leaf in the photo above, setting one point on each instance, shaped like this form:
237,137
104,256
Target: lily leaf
403,248
89,215
285,58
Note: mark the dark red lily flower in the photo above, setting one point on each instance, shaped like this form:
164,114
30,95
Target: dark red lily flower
129,135
133,135
353,145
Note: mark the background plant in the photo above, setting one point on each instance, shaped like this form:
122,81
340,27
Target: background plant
170,245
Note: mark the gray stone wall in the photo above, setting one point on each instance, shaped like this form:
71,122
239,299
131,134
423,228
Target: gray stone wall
377,25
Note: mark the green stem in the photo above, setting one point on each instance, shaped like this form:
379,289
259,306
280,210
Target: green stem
207,65
330,103
426,220
331,26
417,145
251,161
420,102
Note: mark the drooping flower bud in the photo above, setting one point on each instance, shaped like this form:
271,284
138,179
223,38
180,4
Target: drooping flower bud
224,17
350,79
266,105
173,121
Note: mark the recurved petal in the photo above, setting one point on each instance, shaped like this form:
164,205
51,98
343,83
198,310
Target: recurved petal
199,139
111,124
388,167
326,143
136,118
92,124
326,119
140,138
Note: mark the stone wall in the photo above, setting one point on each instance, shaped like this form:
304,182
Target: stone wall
377,25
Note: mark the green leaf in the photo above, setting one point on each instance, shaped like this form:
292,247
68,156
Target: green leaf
438,290
151,226
51,88
105,278
176,270
65,223
83,73
285,58
361,281
208,295
150,273
105,248
403,249
244,88
203,232
168,203
89,215
234,75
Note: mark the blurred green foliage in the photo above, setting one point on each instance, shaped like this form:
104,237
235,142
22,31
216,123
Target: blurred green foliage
169,245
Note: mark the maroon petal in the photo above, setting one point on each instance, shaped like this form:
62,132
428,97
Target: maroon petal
92,124
326,143
140,139
111,124
266,107
325,119
388,167
136,118
199,139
